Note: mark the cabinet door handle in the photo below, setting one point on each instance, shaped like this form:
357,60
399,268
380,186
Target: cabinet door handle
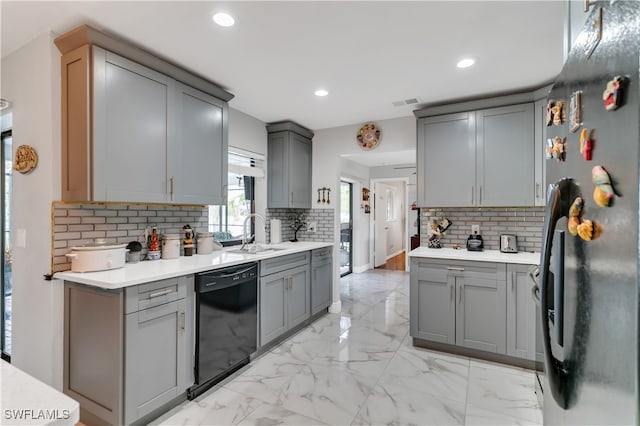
460,297
453,268
472,191
537,190
160,293
480,201
451,293
513,283
291,197
172,184
183,320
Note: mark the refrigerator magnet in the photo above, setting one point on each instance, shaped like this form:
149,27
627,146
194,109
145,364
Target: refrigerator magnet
559,149
612,95
550,104
575,111
589,230
586,144
559,113
603,192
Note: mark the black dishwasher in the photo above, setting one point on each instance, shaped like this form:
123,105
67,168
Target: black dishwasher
226,323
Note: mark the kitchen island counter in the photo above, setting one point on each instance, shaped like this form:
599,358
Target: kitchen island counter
497,256
153,270
28,401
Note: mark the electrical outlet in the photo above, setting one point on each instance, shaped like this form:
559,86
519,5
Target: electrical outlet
311,226
475,229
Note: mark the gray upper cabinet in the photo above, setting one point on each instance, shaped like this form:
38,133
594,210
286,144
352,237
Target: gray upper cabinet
521,312
198,161
480,157
505,156
289,162
446,153
138,130
131,130
539,156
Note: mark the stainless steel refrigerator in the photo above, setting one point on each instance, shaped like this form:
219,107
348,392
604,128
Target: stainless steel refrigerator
588,289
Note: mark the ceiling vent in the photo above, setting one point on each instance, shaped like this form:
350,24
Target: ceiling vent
410,101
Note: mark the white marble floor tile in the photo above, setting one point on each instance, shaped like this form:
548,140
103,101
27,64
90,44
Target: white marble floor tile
391,404
421,372
266,376
329,394
503,392
271,415
476,416
219,407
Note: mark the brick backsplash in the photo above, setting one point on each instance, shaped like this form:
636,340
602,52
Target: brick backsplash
78,224
524,222
324,218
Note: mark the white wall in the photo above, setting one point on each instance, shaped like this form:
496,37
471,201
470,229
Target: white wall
31,80
250,134
398,134
358,175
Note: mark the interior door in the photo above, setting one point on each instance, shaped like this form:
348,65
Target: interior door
380,227
346,228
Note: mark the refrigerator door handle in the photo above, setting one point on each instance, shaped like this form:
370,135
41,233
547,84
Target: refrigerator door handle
559,374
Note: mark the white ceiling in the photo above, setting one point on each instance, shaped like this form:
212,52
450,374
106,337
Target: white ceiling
366,54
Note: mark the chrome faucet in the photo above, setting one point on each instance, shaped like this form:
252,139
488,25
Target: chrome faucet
245,240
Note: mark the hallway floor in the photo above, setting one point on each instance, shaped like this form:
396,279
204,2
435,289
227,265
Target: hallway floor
359,367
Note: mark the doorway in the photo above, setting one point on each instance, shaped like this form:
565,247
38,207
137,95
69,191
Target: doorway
346,228
390,238
6,155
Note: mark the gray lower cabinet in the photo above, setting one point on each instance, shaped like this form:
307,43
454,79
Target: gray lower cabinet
285,299
481,306
128,351
459,303
521,312
432,307
321,279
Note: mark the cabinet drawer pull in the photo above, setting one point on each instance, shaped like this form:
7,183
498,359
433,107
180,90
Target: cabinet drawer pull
160,293
453,268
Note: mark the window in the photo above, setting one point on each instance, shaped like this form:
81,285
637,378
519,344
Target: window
5,243
226,221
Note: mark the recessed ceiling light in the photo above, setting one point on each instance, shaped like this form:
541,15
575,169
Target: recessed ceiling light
223,19
321,92
465,63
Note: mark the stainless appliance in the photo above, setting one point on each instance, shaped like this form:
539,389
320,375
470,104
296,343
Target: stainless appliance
508,243
226,323
588,290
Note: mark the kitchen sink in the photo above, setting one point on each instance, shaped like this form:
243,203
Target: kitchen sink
257,249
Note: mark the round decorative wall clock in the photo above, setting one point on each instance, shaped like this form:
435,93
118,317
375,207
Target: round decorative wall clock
369,136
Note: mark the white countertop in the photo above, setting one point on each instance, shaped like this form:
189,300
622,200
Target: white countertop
523,258
28,401
152,270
